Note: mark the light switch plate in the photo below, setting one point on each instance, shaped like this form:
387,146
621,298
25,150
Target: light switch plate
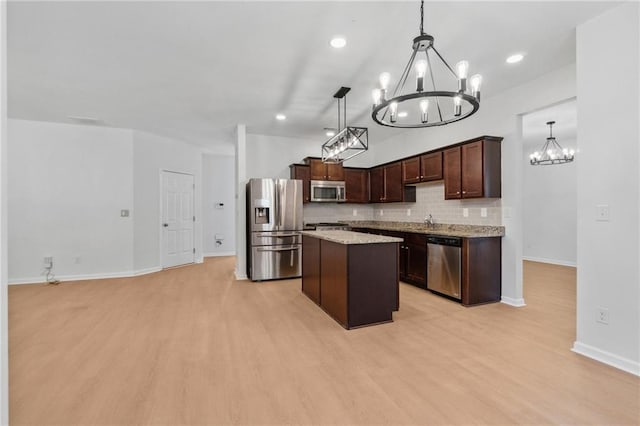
602,213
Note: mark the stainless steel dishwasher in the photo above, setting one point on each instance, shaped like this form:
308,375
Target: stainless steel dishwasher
444,265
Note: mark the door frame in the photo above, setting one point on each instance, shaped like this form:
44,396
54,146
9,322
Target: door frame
161,211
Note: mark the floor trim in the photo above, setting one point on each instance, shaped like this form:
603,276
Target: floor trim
551,261
608,358
219,254
82,277
518,303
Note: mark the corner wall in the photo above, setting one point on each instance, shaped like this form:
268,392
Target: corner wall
67,185
608,134
4,308
218,221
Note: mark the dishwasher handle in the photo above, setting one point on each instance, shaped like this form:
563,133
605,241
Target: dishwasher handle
445,241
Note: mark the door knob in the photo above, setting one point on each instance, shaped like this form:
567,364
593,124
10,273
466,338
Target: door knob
165,225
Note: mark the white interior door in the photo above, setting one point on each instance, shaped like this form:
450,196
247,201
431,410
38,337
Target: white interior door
177,219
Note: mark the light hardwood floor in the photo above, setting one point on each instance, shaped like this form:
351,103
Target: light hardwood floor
191,345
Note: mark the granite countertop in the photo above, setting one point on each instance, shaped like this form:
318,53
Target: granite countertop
349,237
453,230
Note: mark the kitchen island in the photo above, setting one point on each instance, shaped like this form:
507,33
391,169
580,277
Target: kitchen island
352,276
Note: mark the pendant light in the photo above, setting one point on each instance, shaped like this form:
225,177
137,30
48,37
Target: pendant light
348,141
428,105
551,152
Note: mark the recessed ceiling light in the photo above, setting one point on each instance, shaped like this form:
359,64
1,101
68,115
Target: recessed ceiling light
338,42
513,59
281,117
402,114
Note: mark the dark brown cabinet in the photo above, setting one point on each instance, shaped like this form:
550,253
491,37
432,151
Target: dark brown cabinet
473,170
386,185
325,171
415,268
423,168
356,185
481,270
302,172
356,284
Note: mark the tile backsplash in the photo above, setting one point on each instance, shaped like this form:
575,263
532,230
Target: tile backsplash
429,200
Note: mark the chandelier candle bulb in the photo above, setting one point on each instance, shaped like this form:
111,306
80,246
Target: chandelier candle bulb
476,82
376,94
457,102
424,106
421,70
384,78
462,69
394,110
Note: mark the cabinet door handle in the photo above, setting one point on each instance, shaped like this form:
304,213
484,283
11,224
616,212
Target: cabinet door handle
464,192
458,192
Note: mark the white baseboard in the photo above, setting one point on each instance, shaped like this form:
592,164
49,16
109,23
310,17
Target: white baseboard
551,261
518,303
221,253
82,277
240,276
608,358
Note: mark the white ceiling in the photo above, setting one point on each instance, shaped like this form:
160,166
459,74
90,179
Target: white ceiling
192,71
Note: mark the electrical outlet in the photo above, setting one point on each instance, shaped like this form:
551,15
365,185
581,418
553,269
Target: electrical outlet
602,213
602,315
465,212
355,212
381,212
48,262
408,212
124,213
483,212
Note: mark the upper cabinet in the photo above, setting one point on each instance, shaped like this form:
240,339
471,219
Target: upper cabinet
386,185
472,169
422,168
325,171
356,185
302,172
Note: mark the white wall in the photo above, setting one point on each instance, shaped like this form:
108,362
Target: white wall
67,185
218,174
550,233
499,115
608,135
151,155
4,310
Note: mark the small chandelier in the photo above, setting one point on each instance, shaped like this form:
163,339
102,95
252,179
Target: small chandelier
552,152
431,107
348,141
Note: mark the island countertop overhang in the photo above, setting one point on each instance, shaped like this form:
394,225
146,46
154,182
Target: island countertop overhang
350,237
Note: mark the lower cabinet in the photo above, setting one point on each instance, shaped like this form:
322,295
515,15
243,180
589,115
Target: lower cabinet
481,264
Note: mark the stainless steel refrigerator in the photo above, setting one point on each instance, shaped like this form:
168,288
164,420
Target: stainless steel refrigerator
274,222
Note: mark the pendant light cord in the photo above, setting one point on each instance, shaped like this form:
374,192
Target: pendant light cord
422,17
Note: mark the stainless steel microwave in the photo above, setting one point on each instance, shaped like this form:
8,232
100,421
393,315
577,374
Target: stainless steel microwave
327,191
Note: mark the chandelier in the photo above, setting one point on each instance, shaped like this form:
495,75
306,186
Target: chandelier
426,108
551,152
348,141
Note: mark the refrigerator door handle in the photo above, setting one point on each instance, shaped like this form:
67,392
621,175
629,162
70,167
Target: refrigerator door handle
278,235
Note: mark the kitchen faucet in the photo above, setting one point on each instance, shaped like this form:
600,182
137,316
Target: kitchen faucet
429,220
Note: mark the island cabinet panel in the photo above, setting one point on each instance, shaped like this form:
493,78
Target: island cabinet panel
311,268
373,285
416,259
302,172
333,280
481,270
356,185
